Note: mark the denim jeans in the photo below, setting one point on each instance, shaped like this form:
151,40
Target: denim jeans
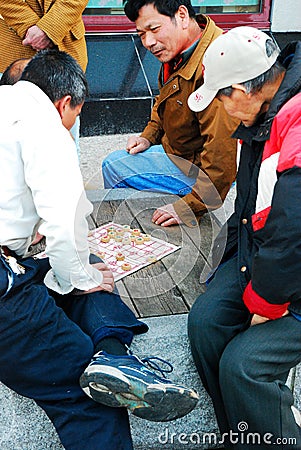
47,340
149,170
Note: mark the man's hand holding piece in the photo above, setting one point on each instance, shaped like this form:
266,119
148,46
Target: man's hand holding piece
108,280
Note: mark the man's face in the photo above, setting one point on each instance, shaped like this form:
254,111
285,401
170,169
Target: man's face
163,36
243,106
70,114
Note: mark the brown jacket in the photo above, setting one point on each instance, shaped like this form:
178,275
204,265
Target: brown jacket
203,139
60,20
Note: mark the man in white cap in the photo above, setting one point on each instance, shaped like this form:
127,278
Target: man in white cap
245,330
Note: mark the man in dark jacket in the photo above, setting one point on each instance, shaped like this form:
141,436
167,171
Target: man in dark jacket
245,331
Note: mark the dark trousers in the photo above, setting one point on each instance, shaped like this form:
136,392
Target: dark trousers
47,340
244,368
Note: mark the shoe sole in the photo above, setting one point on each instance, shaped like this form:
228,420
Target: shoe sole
154,402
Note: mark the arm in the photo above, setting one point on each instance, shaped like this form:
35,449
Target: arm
61,203
275,281
153,131
18,15
215,164
60,18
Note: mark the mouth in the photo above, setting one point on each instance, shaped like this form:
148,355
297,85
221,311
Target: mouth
157,52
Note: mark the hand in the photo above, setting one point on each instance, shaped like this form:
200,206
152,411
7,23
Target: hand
107,283
38,237
37,39
256,319
166,216
137,144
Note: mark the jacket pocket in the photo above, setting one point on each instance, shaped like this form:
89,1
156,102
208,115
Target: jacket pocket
78,30
259,219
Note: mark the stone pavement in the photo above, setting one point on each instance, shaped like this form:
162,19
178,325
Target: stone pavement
24,426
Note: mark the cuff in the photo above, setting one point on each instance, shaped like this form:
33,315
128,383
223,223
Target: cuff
258,305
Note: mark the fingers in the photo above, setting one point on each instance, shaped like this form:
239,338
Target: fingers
137,144
108,279
164,218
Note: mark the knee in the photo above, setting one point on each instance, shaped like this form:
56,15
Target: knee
200,323
235,367
113,157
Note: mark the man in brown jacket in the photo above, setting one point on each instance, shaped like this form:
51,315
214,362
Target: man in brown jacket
179,152
27,26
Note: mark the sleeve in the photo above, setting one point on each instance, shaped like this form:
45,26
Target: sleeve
276,268
153,131
275,279
18,15
216,163
52,172
60,18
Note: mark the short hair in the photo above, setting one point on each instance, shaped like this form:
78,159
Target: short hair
13,72
164,7
57,74
256,84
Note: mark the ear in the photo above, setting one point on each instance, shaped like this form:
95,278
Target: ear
62,104
240,87
183,16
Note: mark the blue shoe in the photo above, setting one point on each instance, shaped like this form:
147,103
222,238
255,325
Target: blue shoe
125,381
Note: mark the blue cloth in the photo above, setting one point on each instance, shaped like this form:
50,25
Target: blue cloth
149,170
46,344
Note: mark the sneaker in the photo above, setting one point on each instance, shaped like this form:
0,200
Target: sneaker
126,381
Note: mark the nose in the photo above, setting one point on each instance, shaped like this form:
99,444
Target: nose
149,40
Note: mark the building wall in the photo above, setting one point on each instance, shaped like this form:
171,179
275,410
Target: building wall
122,75
286,16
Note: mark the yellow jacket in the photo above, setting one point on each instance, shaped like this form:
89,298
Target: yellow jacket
60,20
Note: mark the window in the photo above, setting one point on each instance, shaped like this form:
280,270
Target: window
107,15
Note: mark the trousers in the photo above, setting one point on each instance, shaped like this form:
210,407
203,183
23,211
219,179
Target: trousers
150,170
244,368
47,340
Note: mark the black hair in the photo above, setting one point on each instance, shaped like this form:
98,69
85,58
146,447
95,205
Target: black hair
13,72
164,7
57,74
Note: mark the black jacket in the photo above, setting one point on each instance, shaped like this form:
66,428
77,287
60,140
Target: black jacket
269,257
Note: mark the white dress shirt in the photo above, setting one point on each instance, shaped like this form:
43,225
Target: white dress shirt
42,188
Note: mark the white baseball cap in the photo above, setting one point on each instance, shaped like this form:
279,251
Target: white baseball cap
236,56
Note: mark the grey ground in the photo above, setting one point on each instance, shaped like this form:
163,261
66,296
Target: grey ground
24,426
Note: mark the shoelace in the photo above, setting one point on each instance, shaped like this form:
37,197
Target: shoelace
151,362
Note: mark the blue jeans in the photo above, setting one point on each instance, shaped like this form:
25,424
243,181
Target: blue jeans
47,340
149,170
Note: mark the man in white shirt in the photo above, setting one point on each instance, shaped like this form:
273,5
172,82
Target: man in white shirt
57,312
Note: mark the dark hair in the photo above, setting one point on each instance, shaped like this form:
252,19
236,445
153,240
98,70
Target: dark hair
256,84
14,71
57,74
164,7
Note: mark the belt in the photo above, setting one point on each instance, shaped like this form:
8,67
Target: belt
10,260
5,250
